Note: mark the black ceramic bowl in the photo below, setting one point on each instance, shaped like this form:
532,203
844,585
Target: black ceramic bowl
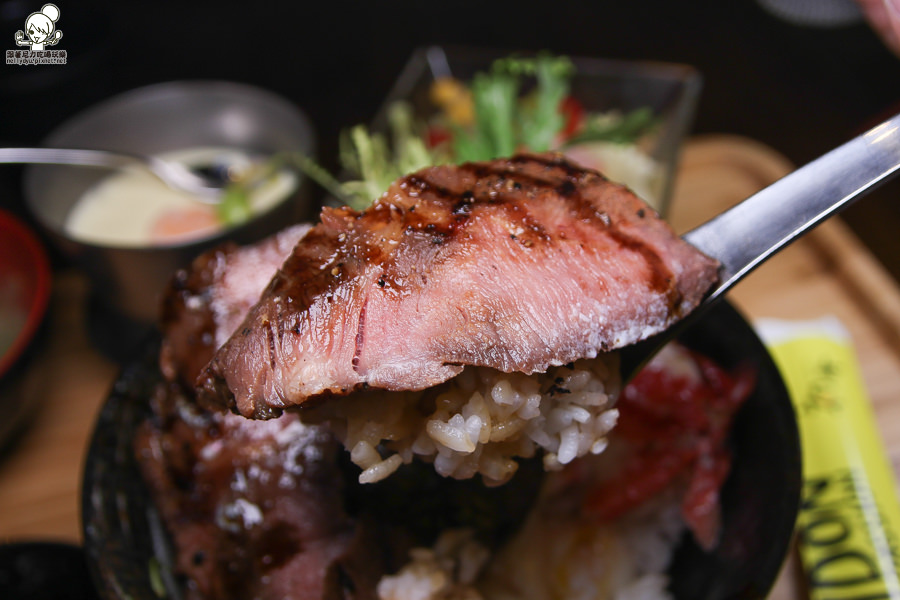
127,548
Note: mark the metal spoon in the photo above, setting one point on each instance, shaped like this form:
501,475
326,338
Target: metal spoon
748,234
206,184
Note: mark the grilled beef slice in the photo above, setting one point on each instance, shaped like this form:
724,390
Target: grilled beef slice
516,264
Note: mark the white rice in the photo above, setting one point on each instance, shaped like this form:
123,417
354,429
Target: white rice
549,558
560,551
576,559
480,421
446,572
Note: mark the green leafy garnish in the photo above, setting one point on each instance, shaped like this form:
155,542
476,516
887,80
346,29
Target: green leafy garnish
495,96
504,121
234,206
615,128
515,105
409,145
543,121
374,160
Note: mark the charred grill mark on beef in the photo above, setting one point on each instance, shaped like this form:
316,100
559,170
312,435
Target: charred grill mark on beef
270,346
568,189
515,264
661,276
360,338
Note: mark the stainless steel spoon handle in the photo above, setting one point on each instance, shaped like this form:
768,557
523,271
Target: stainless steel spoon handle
745,236
69,156
173,174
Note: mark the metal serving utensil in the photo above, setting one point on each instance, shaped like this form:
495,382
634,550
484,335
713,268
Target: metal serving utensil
749,233
205,184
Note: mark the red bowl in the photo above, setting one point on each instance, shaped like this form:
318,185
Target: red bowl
24,287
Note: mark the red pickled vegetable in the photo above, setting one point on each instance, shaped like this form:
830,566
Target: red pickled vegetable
675,423
573,111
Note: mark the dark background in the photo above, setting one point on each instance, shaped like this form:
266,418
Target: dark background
801,90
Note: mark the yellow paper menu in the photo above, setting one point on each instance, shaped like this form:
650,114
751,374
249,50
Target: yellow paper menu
848,528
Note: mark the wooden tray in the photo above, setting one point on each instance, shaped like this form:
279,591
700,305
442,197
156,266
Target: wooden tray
829,272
